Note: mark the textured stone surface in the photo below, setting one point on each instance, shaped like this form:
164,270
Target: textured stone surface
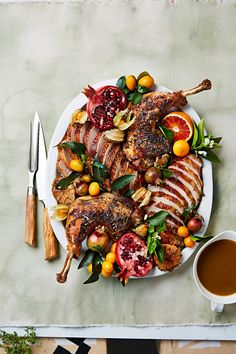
49,52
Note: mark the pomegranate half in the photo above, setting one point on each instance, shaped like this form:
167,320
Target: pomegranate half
103,105
131,257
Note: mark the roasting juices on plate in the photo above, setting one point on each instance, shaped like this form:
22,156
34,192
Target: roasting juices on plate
214,270
129,172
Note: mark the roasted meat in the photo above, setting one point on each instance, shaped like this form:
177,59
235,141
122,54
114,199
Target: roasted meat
145,141
172,257
183,189
116,213
108,153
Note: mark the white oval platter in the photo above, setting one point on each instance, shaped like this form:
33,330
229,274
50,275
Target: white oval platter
61,127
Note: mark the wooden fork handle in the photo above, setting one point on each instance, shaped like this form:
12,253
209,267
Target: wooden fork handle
50,241
31,217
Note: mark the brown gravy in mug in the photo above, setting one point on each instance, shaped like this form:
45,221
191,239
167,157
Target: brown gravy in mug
216,267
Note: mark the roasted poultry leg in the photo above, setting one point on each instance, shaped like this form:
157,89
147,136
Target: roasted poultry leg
116,213
144,140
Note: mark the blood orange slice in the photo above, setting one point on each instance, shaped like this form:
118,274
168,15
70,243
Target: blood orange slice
180,123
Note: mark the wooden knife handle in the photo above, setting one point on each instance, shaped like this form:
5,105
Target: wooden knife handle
50,241
31,217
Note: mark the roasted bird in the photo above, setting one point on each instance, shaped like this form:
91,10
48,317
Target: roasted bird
144,143
114,212
144,140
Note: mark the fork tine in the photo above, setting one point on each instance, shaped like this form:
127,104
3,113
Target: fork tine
30,147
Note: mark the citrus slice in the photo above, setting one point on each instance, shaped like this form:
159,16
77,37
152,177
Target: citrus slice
180,123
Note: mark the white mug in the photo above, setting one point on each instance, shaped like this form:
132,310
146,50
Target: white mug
217,301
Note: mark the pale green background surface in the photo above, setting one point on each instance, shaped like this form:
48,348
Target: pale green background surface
48,53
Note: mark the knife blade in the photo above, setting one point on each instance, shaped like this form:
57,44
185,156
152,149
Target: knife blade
50,241
31,205
42,165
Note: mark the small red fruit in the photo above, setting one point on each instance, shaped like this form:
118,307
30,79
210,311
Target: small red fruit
97,238
194,224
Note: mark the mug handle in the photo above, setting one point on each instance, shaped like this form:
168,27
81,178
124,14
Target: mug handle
216,307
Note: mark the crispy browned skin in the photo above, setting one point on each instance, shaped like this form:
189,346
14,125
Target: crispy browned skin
171,238
172,257
144,140
116,213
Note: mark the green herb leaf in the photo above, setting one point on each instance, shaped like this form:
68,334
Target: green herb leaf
151,229
160,254
97,259
142,89
187,211
121,82
76,148
116,268
87,259
211,156
158,218
130,95
126,90
14,344
121,182
166,173
167,132
195,135
128,193
162,227
137,97
95,274
83,158
200,127
99,170
199,143
100,250
103,189
144,73
152,245
200,238
65,182
217,140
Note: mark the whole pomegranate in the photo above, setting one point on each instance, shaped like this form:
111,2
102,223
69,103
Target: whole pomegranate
97,238
131,257
103,105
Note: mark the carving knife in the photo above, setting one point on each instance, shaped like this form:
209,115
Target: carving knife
50,241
